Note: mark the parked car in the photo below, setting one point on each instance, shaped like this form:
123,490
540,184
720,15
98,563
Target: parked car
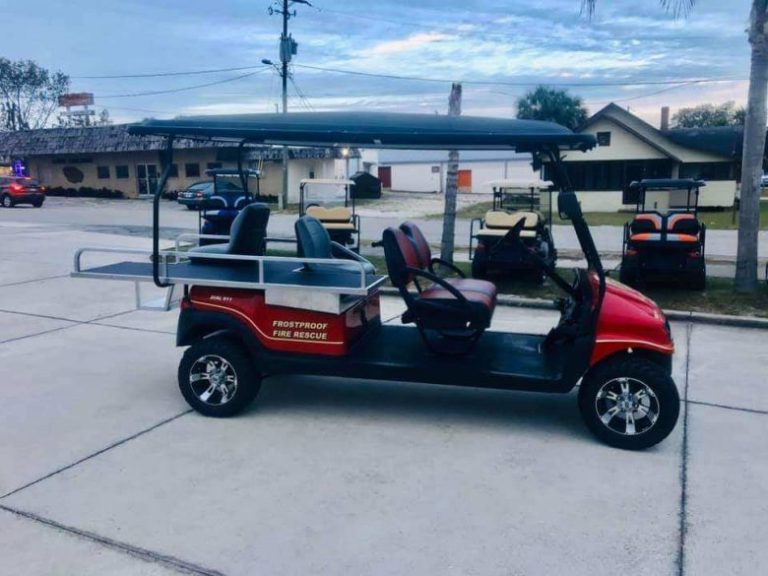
200,195
764,181
21,190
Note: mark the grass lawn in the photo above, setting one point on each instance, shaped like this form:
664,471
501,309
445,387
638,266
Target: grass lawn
713,220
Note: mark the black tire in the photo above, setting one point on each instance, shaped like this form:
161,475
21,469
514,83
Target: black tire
639,375
699,280
191,207
37,204
6,201
215,351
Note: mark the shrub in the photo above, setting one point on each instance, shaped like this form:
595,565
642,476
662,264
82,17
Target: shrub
84,192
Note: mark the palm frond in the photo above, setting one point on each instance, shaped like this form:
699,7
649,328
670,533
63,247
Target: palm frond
676,7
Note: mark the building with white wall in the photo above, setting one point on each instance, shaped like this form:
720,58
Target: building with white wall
426,170
631,149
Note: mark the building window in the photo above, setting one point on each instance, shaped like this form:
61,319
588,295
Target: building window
102,172
121,172
214,165
603,138
174,173
713,171
611,175
192,170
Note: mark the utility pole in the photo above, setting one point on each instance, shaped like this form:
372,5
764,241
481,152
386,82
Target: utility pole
288,48
451,184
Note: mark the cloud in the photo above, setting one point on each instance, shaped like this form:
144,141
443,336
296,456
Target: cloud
407,44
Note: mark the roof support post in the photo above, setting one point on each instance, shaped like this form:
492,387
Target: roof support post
167,159
243,177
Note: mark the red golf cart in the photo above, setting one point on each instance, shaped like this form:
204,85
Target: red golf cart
245,318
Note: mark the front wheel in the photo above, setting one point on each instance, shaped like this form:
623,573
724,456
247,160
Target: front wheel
630,403
217,377
6,201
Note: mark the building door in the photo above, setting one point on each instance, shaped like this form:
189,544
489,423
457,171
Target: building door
146,176
385,175
465,181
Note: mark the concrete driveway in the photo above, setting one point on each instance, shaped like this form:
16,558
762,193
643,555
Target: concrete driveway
106,471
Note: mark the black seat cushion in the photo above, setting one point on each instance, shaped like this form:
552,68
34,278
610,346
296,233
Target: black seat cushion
313,241
247,237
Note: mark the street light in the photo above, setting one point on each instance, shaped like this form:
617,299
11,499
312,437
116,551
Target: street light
345,155
283,73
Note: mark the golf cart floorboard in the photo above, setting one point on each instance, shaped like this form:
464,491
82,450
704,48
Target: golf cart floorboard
499,360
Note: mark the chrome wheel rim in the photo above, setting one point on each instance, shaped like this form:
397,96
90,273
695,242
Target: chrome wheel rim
213,380
627,406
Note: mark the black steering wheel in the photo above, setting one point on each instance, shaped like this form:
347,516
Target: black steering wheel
511,238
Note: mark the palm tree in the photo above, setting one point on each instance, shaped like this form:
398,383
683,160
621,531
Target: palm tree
754,137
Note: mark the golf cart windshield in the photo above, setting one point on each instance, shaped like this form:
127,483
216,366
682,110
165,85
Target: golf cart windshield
665,194
325,192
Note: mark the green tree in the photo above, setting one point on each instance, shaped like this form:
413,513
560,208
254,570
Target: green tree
707,115
755,124
29,94
552,105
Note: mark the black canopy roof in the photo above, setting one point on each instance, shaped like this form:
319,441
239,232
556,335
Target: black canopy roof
374,130
667,184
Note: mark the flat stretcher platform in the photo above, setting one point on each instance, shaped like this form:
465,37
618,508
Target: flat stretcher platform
339,276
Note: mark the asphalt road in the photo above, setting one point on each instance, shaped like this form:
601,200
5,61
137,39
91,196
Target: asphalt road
104,470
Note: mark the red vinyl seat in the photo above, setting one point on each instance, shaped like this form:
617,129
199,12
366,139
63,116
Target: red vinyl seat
458,313
427,262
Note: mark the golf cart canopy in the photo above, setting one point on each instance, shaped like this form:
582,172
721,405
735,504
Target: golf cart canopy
374,130
521,183
667,184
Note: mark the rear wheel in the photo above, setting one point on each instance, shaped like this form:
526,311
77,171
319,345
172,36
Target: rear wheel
699,280
217,377
6,201
37,204
629,402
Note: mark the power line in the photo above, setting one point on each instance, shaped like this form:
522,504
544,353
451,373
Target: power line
184,89
520,82
166,74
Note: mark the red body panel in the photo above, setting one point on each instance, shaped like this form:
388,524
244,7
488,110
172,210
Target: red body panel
629,320
289,329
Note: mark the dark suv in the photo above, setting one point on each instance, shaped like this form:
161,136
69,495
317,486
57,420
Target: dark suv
20,190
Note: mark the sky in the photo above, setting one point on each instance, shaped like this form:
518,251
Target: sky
627,53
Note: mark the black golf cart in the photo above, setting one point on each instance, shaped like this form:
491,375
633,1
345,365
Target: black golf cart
514,201
665,241
247,317
219,211
330,201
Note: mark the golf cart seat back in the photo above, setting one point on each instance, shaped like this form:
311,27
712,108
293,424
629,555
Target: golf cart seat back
338,218
683,223
497,224
247,237
313,241
441,307
507,220
646,223
427,263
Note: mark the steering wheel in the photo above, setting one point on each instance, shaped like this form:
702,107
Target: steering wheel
511,238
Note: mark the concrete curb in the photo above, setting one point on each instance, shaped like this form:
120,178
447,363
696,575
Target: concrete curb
676,315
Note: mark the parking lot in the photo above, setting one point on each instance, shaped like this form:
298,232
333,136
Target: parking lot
106,471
